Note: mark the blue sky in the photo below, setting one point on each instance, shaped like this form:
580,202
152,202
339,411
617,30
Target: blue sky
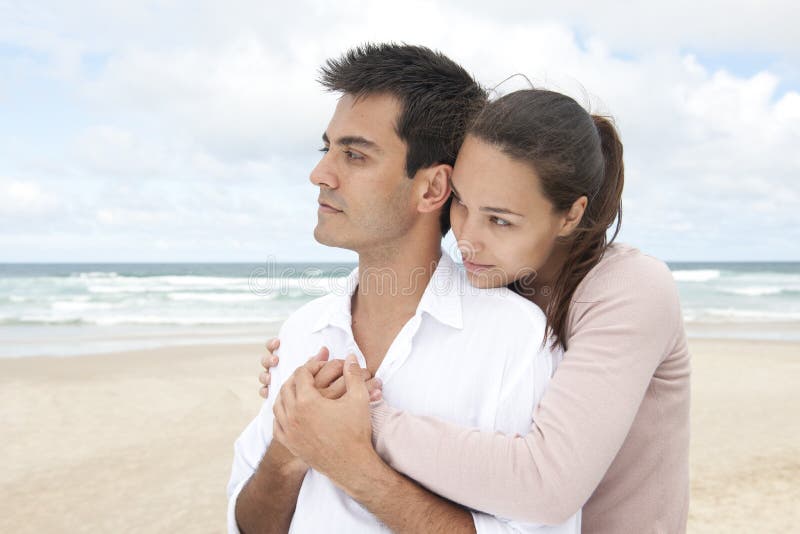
177,131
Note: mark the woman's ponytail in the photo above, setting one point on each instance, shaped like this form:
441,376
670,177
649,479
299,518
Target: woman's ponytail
608,198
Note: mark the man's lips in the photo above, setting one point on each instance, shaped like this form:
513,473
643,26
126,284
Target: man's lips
328,208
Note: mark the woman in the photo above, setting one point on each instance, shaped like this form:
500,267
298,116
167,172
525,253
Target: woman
611,434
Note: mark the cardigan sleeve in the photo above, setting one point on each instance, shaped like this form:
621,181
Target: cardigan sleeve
623,322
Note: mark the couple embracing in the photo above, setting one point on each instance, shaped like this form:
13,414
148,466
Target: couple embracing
543,387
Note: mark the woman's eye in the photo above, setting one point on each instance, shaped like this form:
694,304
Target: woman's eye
500,222
324,150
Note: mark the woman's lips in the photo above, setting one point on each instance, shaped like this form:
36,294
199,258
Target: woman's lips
475,267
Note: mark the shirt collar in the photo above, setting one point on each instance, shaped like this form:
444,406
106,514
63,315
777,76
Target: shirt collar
441,298
337,310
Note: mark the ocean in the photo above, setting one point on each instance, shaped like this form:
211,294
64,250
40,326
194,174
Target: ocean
67,309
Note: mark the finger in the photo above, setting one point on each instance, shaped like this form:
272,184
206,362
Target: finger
374,384
335,390
317,362
322,355
353,378
330,372
304,384
264,392
264,378
269,360
375,395
311,366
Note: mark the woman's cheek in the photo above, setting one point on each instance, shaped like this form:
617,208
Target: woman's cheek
514,255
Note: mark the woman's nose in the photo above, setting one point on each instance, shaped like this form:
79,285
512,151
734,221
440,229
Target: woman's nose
469,242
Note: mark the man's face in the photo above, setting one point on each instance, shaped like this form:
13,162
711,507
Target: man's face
364,194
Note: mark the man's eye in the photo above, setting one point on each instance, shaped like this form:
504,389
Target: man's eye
353,155
500,222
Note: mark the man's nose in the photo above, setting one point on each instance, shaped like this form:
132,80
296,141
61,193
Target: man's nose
324,173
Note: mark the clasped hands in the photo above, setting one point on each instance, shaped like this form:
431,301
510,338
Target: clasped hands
322,412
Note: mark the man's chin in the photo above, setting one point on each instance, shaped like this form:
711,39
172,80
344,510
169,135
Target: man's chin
329,239
322,237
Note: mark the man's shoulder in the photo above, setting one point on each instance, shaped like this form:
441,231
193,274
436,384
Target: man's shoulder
297,333
501,307
303,319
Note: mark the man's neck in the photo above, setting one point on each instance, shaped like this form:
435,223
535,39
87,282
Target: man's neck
392,280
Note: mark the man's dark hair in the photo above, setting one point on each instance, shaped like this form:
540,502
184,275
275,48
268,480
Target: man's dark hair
438,98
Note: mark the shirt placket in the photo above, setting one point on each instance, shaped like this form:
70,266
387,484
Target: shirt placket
399,351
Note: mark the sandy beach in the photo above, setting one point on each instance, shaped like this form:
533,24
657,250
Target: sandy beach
142,441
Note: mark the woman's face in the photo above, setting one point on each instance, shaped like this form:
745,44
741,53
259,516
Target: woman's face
505,227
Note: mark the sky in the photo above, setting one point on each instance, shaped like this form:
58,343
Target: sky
147,131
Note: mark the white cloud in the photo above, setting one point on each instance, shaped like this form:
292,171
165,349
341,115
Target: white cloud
207,134
25,199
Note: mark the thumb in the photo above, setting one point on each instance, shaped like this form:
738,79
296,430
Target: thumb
322,355
353,381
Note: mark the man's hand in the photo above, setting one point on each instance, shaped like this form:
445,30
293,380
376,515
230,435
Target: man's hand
332,436
330,383
329,380
280,455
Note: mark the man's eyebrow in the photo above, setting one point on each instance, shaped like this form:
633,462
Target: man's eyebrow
503,211
353,140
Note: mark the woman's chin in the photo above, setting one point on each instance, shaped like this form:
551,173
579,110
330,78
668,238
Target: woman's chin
486,279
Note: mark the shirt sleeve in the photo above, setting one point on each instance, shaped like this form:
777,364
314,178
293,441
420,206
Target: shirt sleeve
253,442
618,338
248,450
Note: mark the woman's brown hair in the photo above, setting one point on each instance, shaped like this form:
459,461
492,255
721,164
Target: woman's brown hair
573,154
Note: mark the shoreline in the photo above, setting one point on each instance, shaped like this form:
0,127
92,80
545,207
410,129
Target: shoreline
187,340
143,440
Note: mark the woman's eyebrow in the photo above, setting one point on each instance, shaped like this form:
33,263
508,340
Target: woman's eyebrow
503,211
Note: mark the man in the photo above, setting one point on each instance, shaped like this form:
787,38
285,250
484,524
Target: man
441,347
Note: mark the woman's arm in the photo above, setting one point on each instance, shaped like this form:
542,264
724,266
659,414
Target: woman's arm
617,341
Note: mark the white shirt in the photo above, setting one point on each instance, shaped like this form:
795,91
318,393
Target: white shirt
469,356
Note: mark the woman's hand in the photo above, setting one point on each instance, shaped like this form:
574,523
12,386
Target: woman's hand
268,361
329,380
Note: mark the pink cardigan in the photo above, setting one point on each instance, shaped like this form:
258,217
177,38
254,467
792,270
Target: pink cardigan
611,433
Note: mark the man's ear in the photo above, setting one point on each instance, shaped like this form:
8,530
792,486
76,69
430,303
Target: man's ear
433,187
573,216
